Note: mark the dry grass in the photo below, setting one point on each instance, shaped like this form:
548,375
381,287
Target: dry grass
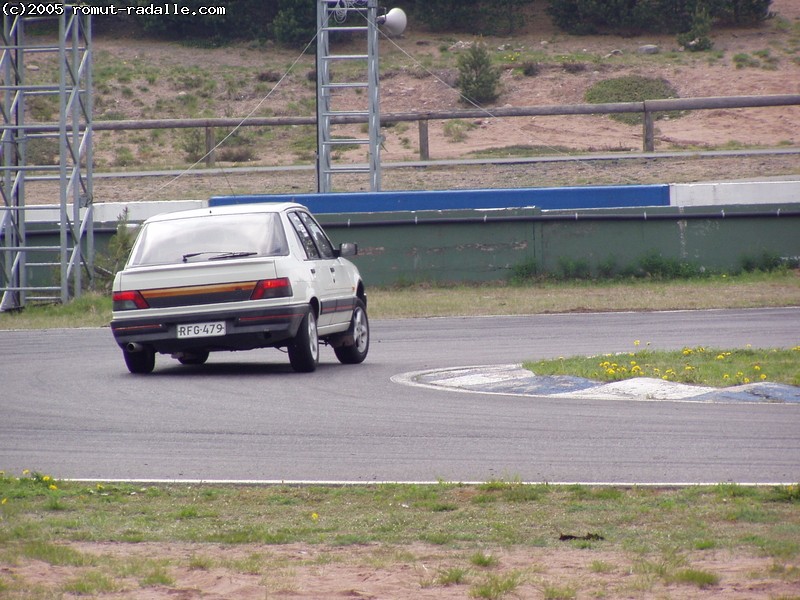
749,291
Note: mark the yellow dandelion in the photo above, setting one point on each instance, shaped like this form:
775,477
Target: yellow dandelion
763,376
314,517
52,487
46,478
726,376
756,368
26,471
747,380
636,342
4,501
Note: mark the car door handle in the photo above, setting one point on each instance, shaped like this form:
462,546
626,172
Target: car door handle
313,271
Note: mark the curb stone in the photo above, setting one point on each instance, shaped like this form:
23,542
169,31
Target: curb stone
514,380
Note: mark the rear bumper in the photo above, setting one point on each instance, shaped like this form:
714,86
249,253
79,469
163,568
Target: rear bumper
244,330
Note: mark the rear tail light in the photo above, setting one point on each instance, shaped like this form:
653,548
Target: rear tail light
131,300
272,288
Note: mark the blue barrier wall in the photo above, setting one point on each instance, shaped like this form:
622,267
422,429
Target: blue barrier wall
542,198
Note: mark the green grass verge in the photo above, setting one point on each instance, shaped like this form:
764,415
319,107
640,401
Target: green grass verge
424,299
699,365
36,510
658,531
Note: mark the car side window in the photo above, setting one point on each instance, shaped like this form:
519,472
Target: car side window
323,243
305,237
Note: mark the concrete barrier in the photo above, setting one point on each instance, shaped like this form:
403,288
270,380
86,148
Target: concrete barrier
542,198
480,235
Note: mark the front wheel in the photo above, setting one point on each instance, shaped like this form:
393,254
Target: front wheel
356,352
141,362
304,348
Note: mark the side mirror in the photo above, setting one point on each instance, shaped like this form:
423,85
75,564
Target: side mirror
347,249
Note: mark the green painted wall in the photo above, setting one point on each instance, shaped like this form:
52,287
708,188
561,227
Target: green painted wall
486,245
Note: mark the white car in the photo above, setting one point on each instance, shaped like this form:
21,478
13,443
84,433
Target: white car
238,278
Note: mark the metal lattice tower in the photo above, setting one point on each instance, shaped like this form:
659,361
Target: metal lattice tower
60,75
333,97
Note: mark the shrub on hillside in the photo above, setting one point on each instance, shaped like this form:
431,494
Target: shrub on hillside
479,17
478,79
583,17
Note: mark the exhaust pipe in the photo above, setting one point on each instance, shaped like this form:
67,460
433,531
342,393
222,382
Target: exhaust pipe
134,347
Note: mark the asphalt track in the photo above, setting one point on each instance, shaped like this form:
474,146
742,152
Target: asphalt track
69,408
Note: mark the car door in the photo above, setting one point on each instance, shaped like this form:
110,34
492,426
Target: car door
320,260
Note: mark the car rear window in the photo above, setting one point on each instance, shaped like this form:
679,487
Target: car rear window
209,237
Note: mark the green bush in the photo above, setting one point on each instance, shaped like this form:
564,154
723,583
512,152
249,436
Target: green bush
697,38
116,254
479,17
478,79
655,266
296,22
248,19
583,17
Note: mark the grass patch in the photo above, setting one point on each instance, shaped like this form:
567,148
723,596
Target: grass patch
496,585
700,365
520,150
91,583
409,300
456,130
632,88
652,534
699,578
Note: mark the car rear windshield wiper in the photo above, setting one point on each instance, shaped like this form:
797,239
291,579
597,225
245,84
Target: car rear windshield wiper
219,255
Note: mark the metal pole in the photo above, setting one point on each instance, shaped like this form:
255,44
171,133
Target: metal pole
323,99
374,98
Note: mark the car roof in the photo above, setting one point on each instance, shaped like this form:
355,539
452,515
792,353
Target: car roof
232,209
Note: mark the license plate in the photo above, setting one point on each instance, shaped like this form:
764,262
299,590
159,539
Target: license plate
198,330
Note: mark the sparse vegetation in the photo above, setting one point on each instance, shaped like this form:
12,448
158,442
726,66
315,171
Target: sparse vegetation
456,130
498,539
529,296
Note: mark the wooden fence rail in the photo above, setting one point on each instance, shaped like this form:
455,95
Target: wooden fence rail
648,108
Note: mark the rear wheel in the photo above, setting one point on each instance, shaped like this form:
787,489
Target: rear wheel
199,357
359,331
304,348
140,362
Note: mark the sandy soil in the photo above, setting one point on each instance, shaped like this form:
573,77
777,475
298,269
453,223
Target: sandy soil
294,571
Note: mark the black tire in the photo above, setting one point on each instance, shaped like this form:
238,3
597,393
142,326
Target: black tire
304,348
198,357
140,363
356,352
